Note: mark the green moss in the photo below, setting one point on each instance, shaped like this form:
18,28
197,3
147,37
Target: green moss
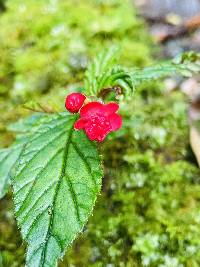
11,248
53,40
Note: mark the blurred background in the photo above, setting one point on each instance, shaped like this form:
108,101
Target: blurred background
148,213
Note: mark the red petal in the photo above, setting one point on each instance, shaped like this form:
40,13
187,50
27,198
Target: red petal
115,121
111,108
79,124
91,109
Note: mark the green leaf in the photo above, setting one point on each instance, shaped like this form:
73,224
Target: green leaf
9,156
185,65
98,69
8,159
55,188
113,76
26,126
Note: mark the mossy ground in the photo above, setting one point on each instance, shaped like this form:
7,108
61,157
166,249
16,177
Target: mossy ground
148,211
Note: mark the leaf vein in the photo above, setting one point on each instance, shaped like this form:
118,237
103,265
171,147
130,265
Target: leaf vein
62,174
35,179
39,151
36,202
84,159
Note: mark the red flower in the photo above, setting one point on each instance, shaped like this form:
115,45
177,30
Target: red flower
74,102
98,120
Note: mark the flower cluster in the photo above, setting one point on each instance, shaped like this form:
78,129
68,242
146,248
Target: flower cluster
96,119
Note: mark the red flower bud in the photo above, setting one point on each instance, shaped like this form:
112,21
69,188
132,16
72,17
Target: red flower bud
74,102
98,120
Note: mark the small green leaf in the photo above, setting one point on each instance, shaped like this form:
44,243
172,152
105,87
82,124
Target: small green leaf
98,69
55,188
114,77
